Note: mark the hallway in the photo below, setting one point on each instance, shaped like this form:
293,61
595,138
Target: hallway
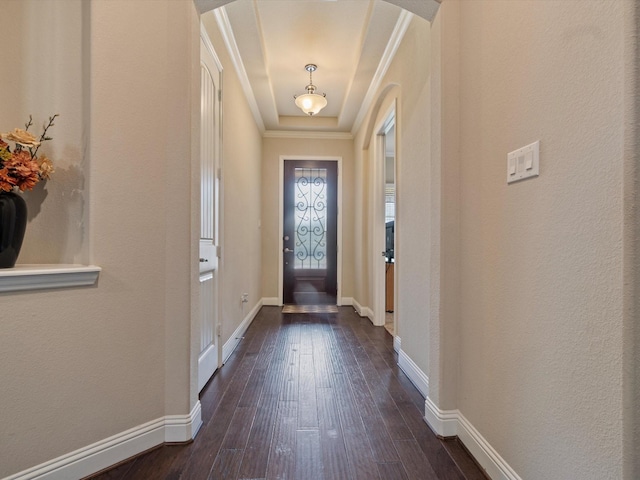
316,396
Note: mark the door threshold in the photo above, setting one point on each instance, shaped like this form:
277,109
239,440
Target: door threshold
310,309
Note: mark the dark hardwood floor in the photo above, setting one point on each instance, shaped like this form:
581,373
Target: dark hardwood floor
309,396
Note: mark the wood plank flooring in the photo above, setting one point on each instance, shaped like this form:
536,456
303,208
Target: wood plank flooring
309,396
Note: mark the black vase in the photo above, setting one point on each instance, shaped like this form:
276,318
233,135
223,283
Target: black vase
13,223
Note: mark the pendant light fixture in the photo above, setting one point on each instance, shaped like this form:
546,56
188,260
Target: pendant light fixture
311,102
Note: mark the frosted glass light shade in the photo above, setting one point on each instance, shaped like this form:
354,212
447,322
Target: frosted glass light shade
311,103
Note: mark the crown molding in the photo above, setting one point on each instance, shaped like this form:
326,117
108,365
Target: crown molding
204,35
385,62
395,40
222,19
307,134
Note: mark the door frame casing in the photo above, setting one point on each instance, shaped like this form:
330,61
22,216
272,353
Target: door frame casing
378,221
281,221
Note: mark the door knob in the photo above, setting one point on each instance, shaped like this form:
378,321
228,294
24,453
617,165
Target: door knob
202,260
287,250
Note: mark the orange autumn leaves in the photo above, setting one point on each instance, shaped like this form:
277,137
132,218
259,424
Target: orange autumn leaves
20,166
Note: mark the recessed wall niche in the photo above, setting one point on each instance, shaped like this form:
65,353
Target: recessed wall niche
45,73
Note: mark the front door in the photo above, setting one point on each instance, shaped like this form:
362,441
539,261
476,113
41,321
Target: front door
310,232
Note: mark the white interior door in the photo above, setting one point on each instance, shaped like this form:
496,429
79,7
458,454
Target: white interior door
209,358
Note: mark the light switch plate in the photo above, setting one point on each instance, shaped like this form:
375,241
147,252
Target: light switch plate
523,163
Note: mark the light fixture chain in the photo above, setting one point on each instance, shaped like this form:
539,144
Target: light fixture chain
310,102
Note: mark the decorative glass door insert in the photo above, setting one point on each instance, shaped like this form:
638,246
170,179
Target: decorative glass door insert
310,249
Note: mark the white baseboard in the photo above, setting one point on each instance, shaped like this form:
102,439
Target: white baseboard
183,428
110,451
397,344
357,307
362,311
271,301
235,338
346,301
415,374
450,423
444,423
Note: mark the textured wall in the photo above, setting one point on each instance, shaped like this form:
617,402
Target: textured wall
443,338
273,148
541,260
631,246
80,365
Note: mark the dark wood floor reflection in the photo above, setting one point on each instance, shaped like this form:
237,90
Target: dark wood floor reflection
309,396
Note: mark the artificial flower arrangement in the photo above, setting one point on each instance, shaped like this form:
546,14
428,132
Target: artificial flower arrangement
21,167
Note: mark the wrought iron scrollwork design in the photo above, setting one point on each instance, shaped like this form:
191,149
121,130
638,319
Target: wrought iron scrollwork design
311,220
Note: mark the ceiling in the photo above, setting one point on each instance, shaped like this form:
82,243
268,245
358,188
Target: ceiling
351,41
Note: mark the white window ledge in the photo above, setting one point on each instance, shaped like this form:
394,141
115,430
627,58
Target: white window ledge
38,277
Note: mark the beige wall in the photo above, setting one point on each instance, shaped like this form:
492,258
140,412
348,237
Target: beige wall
273,148
407,84
362,253
79,365
526,309
524,330
241,264
631,333
444,313
541,292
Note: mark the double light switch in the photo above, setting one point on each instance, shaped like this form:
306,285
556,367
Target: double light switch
523,163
